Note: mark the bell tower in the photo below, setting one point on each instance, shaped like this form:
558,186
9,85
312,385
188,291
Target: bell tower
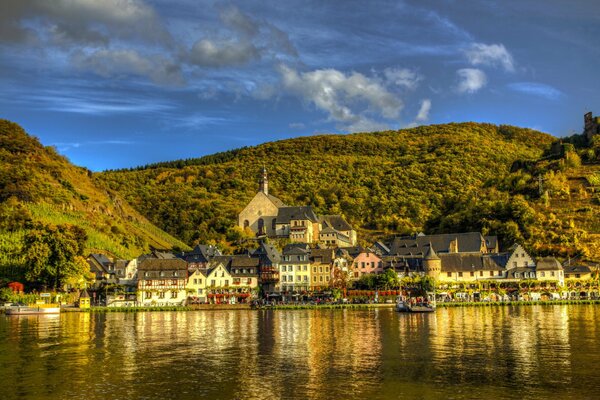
263,182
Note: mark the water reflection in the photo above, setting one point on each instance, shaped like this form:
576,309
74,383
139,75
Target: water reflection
526,352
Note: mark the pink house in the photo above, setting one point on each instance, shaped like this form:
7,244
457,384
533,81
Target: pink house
366,263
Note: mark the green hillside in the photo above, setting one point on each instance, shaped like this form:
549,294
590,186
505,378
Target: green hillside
440,178
40,187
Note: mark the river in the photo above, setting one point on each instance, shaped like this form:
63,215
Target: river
525,352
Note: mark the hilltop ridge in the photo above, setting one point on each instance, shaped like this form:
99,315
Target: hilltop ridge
438,178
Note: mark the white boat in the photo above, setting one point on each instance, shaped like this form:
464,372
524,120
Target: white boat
33,309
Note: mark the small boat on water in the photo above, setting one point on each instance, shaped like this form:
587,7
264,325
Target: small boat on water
33,309
415,305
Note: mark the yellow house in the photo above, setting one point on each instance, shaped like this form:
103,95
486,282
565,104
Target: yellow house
321,261
196,286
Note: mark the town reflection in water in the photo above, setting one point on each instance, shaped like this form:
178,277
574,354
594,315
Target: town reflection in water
509,352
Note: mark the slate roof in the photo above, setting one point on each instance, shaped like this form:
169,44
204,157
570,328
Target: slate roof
431,255
278,203
548,264
403,263
381,248
162,264
469,242
286,214
466,262
577,269
101,259
201,253
354,251
336,222
321,256
268,254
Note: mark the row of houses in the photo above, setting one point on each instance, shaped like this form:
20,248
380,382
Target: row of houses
206,275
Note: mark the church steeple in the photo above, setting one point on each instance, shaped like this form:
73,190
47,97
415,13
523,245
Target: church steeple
263,182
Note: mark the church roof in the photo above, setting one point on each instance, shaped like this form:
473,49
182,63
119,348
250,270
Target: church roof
336,222
286,214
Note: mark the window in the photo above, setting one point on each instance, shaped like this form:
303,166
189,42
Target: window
491,273
321,278
362,264
515,264
226,282
283,268
577,275
249,281
460,274
212,282
327,278
298,278
174,294
195,281
148,295
480,273
314,269
199,291
174,282
174,273
449,274
148,283
542,274
161,295
273,223
305,278
314,278
326,269
516,274
252,270
305,268
146,274
200,281
246,223
162,273
551,273
472,273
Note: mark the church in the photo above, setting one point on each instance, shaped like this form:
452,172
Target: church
268,216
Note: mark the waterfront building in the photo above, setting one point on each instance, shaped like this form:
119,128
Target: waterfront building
196,286
366,262
550,269
162,281
200,256
294,268
321,263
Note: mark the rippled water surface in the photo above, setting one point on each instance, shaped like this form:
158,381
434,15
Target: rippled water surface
529,352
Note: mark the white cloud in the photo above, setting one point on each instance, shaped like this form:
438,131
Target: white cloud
114,63
403,77
423,114
537,89
346,98
214,53
470,80
490,55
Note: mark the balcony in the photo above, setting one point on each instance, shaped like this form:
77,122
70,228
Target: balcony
269,275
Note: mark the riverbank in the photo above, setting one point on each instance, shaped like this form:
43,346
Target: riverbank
366,306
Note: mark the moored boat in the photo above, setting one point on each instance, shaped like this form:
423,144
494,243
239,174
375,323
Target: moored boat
33,309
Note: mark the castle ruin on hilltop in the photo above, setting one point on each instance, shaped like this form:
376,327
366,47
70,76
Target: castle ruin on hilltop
591,126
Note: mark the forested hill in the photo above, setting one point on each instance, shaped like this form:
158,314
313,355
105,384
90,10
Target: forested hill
440,178
38,186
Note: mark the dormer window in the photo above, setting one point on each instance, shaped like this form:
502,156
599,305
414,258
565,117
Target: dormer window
161,273
174,273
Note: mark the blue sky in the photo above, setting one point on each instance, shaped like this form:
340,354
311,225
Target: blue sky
117,83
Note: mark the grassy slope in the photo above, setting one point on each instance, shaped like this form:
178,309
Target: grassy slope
54,191
382,182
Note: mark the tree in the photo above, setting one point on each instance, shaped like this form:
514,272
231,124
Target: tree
53,255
